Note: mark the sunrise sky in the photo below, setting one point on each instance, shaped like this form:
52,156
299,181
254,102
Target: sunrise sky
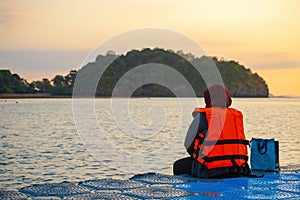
42,38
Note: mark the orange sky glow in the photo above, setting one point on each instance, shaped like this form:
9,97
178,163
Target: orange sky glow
262,35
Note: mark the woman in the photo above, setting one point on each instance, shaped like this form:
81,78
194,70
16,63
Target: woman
215,140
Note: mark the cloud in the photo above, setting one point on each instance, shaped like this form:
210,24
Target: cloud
7,19
266,60
12,18
281,64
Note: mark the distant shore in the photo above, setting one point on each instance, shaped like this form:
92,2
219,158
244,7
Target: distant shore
48,95
31,96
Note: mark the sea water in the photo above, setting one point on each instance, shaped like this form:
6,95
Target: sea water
41,142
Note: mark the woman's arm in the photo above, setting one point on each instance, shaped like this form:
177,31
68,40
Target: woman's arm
199,124
192,132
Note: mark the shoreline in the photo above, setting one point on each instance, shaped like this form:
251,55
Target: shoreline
48,95
53,96
32,96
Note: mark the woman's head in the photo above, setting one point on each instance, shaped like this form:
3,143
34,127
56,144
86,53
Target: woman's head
217,96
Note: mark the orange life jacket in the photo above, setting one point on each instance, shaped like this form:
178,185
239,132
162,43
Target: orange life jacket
224,144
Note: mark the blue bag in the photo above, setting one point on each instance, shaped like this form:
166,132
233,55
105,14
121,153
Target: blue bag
264,154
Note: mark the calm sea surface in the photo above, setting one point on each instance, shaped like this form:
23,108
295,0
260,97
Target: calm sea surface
40,142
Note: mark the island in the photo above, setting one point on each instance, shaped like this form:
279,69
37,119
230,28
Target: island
240,81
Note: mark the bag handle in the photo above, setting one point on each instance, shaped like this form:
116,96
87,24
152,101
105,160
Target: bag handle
262,146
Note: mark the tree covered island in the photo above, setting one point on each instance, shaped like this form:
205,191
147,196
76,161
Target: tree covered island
240,81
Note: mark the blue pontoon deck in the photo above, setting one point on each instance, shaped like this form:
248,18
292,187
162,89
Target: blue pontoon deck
283,185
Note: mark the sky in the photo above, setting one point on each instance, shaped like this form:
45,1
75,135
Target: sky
43,38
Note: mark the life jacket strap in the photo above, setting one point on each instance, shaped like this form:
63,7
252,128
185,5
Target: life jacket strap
200,137
227,157
198,141
221,142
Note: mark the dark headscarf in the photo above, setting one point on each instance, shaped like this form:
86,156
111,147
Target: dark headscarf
217,96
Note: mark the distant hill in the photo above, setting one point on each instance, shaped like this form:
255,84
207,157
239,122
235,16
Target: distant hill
241,82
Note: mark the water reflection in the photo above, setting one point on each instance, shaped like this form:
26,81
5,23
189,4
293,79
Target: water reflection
39,141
